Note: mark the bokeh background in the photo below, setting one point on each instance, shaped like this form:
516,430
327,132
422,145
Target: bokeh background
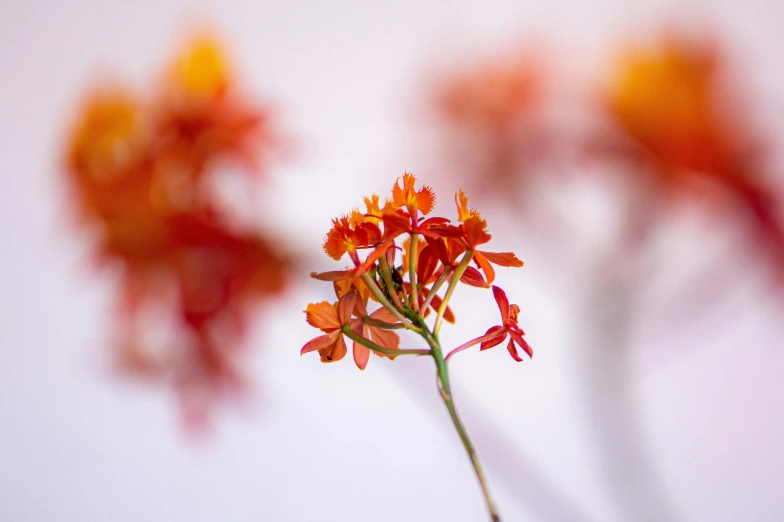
655,390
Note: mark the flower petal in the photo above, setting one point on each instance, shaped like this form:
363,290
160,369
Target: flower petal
503,303
502,258
319,343
522,343
475,231
495,341
361,355
382,314
427,264
335,275
439,249
346,307
513,351
425,199
486,267
322,316
334,352
473,277
385,338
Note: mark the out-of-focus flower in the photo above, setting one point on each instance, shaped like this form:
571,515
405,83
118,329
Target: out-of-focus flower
673,100
492,119
138,171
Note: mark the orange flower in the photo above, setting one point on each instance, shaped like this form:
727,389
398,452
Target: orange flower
415,201
495,335
369,329
137,170
495,96
203,115
672,101
493,122
349,233
330,319
668,99
474,233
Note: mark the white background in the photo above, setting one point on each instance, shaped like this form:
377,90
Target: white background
330,443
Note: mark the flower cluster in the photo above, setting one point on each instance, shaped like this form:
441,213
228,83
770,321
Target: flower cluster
672,100
435,251
669,112
494,118
142,172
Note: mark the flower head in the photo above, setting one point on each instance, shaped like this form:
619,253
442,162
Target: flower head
137,167
421,200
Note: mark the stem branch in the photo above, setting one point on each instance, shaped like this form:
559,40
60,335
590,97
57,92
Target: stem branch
461,268
367,343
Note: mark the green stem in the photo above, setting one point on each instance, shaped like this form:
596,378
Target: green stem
376,323
379,295
412,276
436,286
446,395
367,343
461,268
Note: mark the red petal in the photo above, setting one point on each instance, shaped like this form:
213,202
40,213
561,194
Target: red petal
496,340
322,315
426,265
503,303
382,314
475,231
361,355
334,352
319,343
513,351
433,221
395,223
522,343
336,275
439,249
386,339
486,267
502,258
372,258
346,307
473,277
425,199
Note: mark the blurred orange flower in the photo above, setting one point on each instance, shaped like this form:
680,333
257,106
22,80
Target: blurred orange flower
673,100
491,118
138,172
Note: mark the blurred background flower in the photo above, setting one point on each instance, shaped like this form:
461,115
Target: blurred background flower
140,171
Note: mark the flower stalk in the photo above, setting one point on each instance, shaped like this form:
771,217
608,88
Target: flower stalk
399,300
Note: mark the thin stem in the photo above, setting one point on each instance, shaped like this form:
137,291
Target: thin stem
452,284
377,323
367,343
379,295
412,276
387,276
446,395
474,342
436,286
